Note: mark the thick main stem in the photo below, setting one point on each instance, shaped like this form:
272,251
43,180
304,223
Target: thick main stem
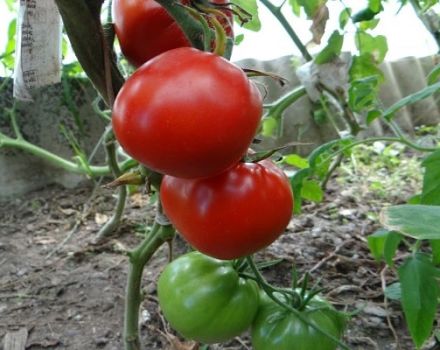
139,257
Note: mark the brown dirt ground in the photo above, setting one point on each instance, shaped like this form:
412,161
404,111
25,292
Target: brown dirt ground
74,298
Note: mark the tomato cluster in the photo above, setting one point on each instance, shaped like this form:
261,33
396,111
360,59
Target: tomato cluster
191,116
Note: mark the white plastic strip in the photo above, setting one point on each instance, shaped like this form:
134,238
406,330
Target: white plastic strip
38,47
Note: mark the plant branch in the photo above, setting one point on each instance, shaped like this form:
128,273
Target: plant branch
139,257
55,160
268,289
113,223
276,11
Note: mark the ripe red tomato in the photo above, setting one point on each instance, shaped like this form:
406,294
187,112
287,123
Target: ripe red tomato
233,214
187,113
145,29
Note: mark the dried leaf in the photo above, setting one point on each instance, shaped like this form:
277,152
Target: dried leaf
319,22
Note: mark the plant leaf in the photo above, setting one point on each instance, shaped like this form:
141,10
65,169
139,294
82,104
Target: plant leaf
435,246
251,7
434,75
391,244
416,221
376,243
312,191
344,16
393,291
377,46
431,179
332,50
410,99
418,280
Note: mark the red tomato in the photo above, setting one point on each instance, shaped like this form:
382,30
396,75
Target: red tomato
233,214
145,29
187,113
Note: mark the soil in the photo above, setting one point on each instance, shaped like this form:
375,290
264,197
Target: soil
62,291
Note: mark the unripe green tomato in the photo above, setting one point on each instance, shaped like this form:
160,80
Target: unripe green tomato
204,299
277,328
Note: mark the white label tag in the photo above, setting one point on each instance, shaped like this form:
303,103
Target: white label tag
38,47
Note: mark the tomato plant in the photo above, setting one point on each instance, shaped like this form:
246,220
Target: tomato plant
205,299
233,214
278,328
187,113
145,29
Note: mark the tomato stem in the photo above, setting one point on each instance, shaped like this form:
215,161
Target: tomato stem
269,290
158,235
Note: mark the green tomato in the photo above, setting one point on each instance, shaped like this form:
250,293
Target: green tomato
204,299
277,328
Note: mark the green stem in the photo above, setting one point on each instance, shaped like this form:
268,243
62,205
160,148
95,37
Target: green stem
276,109
158,235
276,11
112,161
192,28
268,289
55,160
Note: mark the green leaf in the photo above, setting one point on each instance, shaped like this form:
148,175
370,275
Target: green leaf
332,50
364,15
364,66
377,46
434,75
296,182
251,7
344,16
312,191
413,98
311,6
435,246
296,161
418,281
416,221
431,179
238,39
393,291
375,5
362,94
373,115
416,199
8,57
295,7
391,244
371,24
383,245
376,243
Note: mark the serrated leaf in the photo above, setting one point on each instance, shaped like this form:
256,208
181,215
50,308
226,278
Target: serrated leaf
431,179
364,66
393,291
344,17
376,46
296,161
416,221
332,50
410,99
312,191
362,94
420,291
435,246
434,75
251,7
